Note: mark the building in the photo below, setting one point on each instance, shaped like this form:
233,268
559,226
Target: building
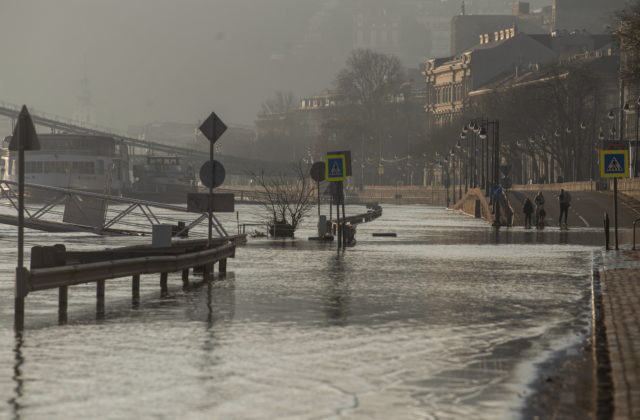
449,80
465,29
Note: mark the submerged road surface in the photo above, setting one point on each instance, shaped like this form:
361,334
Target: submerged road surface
448,320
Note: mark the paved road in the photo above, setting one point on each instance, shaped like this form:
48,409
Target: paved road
587,208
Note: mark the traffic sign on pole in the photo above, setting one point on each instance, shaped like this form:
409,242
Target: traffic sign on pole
212,178
213,128
335,168
614,163
24,139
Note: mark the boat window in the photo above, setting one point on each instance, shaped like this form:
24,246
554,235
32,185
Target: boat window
100,168
33,167
82,168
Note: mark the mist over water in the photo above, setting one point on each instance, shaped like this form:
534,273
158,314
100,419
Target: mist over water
446,320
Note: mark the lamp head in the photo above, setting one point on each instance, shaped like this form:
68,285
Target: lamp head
482,133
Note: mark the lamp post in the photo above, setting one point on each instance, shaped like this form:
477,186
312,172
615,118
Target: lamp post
446,177
452,157
627,108
460,163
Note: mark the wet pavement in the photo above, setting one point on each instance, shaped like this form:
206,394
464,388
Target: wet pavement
621,312
448,320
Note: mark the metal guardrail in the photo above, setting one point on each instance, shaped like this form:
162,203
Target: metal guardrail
68,275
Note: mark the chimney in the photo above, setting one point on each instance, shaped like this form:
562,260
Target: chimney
520,8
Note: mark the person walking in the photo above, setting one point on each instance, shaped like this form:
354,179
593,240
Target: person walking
564,199
527,209
540,212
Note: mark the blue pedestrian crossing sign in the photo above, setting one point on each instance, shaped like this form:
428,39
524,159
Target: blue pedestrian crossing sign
335,168
614,163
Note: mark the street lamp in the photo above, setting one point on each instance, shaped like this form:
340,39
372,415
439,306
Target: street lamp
627,109
583,127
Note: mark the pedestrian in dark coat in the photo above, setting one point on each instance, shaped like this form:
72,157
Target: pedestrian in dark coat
527,209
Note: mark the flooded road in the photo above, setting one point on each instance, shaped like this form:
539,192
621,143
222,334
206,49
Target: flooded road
448,320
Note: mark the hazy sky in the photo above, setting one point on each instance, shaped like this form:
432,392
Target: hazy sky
163,60
147,59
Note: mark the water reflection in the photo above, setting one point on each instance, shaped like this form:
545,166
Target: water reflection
17,378
337,291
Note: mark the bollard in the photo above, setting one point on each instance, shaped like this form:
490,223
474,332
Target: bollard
185,277
606,231
62,304
222,266
100,297
135,288
164,290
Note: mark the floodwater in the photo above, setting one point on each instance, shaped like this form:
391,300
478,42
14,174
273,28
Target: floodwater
448,320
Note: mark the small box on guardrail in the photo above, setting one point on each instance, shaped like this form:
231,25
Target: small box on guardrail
161,236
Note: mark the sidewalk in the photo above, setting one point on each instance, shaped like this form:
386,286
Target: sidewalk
621,313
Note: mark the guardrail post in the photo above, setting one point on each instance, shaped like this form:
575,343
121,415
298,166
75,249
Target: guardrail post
222,266
135,288
62,304
100,297
635,222
185,277
164,289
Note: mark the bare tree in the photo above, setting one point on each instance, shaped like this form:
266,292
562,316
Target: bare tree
288,198
628,33
280,103
369,78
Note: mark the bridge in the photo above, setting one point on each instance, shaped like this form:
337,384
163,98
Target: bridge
233,164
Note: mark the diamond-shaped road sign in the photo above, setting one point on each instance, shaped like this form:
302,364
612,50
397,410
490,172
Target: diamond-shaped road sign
213,128
24,127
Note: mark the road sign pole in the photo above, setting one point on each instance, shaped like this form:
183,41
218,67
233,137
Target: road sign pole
615,211
20,287
210,201
344,217
318,188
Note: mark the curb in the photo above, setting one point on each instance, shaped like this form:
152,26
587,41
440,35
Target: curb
603,390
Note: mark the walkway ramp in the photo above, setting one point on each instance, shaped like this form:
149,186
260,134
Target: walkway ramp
67,210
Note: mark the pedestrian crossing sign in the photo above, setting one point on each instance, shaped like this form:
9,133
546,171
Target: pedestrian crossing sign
614,163
335,168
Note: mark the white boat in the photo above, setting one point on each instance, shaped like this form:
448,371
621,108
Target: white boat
80,162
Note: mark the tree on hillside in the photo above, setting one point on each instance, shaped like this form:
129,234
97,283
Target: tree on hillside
280,103
378,118
369,77
628,33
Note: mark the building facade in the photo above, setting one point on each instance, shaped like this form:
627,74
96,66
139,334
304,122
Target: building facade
449,80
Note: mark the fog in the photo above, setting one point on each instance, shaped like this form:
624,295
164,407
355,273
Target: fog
169,60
